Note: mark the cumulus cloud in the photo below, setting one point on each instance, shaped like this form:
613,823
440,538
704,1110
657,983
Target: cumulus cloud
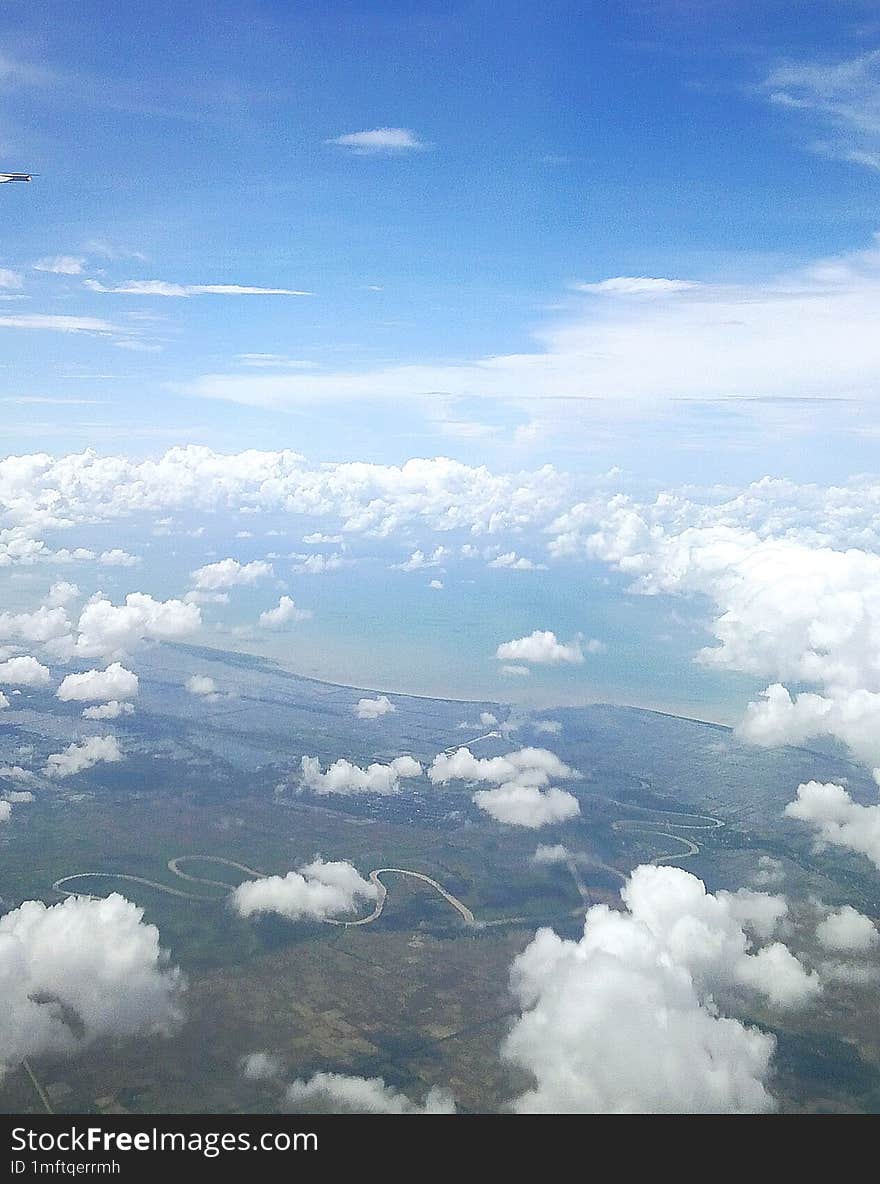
60,594
340,1092
850,715
4,702
200,684
542,648
513,562
626,1019
373,708
526,805
343,777
76,758
548,856
847,930
110,631
525,766
519,797
112,710
118,558
99,685
837,820
229,573
439,494
549,727
24,672
43,624
261,1066
285,613
418,561
79,970
5,811
317,891
319,565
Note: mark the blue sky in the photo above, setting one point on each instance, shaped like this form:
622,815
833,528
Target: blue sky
553,145
635,242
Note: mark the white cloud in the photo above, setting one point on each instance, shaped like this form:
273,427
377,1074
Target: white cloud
60,594
849,930
4,702
317,891
163,288
23,672
318,565
437,494
379,140
109,631
843,95
527,805
636,285
5,811
91,960
201,684
286,613
42,625
59,324
520,797
370,1095
261,1066
10,279
526,766
806,333
626,1019
373,708
99,685
229,573
513,562
118,558
345,778
837,820
418,561
549,727
61,264
76,758
112,710
541,647
549,856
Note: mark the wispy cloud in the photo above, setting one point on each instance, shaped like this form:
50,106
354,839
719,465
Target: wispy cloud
809,333
61,264
58,324
163,288
9,279
274,362
379,139
844,96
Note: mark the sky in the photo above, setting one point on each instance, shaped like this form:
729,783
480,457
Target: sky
451,261
523,352
567,253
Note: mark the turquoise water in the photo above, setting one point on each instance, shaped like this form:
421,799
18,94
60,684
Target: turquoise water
385,629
